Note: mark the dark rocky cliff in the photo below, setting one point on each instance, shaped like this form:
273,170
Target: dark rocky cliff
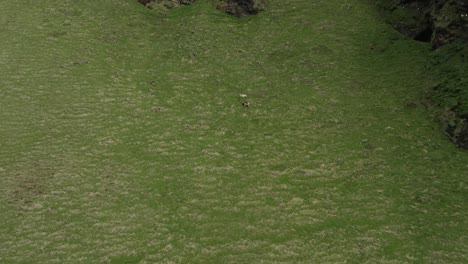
440,22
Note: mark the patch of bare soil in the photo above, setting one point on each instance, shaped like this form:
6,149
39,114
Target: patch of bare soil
29,184
165,3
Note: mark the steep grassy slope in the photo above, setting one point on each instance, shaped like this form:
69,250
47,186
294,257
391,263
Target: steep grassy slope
123,139
444,23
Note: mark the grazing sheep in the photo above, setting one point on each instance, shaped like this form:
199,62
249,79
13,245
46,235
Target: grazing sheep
242,95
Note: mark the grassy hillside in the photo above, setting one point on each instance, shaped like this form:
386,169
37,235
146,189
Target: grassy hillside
442,23
123,138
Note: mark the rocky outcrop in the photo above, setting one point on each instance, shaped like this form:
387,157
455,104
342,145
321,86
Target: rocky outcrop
241,8
237,8
437,21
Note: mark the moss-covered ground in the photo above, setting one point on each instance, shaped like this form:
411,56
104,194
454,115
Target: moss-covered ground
123,138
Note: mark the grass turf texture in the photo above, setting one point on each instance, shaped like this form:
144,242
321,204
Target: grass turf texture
123,139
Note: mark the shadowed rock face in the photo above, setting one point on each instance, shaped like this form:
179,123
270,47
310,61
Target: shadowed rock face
450,21
463,137
437,21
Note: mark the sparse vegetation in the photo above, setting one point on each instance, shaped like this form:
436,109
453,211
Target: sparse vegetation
123,138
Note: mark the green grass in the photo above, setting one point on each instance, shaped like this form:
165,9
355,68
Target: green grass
123,138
